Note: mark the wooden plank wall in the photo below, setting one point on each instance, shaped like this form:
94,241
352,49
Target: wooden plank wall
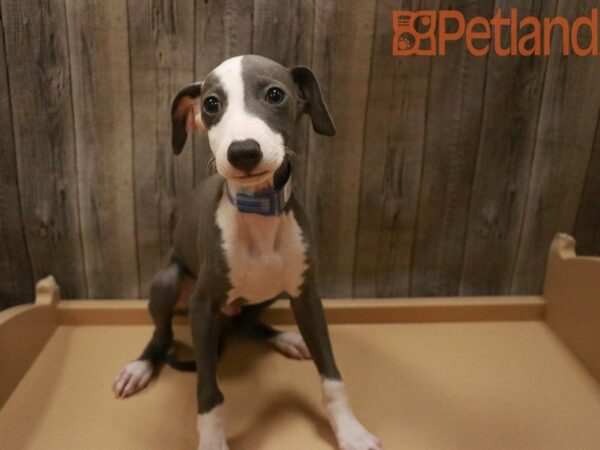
448,176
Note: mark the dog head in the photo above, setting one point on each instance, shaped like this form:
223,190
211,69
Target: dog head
249,106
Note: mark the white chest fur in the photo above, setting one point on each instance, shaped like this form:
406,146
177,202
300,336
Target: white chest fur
266,254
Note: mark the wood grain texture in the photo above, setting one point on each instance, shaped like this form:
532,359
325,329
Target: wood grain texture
457,86
341,61
223,29
391,162
587,226
16,279
37,47
99,57
449,175
565,136
161,46
508,132
293,19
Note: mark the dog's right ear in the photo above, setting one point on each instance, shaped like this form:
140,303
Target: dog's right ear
185,115
314,104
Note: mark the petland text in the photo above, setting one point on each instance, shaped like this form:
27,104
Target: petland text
428,33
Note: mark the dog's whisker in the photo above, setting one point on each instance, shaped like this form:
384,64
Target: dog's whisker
211,165
288,151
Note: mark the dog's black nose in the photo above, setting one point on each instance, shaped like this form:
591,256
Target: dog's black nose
244,155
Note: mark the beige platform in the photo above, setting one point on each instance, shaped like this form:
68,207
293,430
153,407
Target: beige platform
476,373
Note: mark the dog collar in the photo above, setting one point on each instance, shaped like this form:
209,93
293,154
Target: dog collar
271,202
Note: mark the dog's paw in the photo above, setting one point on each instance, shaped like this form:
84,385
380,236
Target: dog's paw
214,442
211,428
134,377
351,435
291,344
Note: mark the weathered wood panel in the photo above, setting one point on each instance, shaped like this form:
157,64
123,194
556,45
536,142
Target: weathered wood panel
161,45
565,136
587,227
16,280
295,20
223,30
99,57
454,109
508,131
449,175
391,162
37,48
342,61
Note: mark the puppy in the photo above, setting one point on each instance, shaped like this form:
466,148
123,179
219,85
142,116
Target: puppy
245,238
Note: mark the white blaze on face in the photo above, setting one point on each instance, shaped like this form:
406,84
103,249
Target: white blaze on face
237,124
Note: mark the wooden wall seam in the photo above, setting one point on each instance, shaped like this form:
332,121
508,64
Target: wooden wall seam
16,283
78,197
421,174
141,290
363,156
469,205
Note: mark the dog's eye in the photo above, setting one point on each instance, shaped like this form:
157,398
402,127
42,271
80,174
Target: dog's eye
211,105
275,96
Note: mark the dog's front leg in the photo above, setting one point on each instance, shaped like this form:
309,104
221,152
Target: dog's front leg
204,322
310,317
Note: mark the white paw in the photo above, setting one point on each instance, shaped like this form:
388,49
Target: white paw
291,344
134,377
351,435
211,427
213,443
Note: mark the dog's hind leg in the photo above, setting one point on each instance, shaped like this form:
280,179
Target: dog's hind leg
163,296
289,343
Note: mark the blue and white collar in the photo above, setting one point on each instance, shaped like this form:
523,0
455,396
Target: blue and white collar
270,202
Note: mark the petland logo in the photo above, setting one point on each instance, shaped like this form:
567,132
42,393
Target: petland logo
428,32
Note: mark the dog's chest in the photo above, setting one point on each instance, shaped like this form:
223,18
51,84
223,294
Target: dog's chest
266,255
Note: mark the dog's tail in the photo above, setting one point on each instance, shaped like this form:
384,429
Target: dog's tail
183,366
190,365
177,364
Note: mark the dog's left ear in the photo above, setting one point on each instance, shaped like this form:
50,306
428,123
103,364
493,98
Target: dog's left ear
185,115
315,106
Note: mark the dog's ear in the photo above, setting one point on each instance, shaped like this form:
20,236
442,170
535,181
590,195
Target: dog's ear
185,115
314,106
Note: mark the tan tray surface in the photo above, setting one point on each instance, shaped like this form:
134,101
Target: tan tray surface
503,385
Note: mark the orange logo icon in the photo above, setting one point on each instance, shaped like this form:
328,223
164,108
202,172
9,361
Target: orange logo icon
414,33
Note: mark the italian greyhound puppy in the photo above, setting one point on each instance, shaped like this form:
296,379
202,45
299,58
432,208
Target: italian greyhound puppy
245,238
